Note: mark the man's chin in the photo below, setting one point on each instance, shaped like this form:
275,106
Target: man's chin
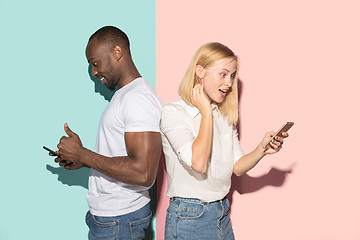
111,88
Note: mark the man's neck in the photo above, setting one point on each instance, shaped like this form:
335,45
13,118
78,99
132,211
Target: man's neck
129,75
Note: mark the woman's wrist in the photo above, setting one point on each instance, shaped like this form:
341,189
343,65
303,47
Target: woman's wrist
206,114
260,152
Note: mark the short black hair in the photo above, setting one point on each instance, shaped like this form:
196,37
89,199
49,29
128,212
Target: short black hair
112,36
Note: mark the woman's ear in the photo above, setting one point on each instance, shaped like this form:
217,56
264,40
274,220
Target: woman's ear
117,53
200,71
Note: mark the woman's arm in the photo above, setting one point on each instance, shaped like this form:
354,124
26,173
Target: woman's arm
201,146
248,161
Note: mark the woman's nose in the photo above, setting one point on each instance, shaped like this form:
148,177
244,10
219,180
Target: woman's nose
228,82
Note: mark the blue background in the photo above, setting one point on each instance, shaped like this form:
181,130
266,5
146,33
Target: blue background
46,83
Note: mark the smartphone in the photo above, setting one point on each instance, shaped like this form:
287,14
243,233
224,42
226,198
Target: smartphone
51,151
284,128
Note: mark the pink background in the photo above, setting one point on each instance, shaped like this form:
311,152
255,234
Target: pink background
299,61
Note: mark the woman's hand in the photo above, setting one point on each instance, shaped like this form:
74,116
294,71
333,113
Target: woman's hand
275,145
200,99
248,161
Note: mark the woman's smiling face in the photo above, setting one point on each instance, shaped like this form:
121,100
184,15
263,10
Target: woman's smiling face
218,78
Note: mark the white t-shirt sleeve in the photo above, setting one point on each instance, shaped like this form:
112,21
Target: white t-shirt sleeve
178,132
238,153
141,112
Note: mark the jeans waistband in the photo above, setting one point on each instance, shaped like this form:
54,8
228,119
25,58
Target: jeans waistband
195,200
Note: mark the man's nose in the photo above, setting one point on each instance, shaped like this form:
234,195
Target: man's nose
93,72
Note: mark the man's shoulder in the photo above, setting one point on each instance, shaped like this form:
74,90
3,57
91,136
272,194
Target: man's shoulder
138,91
141,87
134,87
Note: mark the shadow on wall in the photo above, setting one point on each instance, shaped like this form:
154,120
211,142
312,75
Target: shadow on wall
80,177
70,177
245,183
101,88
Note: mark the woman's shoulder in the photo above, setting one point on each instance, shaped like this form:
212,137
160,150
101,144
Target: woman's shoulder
176,109
180,104
177,113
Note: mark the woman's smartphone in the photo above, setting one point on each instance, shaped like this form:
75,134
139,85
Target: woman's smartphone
284,128
51,151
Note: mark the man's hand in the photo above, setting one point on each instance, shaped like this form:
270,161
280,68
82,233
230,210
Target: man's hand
69,165
70,147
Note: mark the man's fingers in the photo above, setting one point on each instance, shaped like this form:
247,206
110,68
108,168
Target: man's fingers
69,164
68,130
64,163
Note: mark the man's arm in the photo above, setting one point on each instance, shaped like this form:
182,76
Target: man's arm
139,167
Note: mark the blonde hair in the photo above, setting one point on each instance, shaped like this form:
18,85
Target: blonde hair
207,55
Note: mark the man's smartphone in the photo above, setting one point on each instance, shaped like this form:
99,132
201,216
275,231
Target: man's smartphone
284,128
51,151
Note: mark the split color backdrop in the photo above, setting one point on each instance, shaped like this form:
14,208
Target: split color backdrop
299,62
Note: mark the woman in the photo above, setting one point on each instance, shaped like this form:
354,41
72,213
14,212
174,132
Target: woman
202,149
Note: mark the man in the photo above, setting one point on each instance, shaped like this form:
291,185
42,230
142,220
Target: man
124,164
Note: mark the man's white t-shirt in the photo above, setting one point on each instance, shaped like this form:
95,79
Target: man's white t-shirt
133,108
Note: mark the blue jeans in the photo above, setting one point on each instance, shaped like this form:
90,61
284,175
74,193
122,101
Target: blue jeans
129,226
189,218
